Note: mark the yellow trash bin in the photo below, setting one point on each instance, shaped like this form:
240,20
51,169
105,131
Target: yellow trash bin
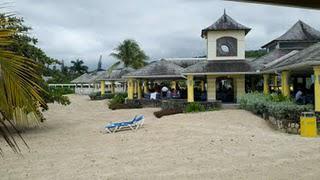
308,125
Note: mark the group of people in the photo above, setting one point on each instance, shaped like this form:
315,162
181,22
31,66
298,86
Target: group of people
163,92
304,96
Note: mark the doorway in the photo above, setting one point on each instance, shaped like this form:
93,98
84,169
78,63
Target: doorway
225,90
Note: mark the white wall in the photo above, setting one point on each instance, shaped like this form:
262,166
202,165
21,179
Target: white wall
212,37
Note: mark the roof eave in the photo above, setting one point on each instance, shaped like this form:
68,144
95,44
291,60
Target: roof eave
292,66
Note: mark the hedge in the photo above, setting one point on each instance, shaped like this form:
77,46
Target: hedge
273,105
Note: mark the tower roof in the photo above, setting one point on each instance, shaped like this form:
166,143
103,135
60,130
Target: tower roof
300,31
224,23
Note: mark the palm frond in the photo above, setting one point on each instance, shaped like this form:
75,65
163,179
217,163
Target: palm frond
113,66
19,86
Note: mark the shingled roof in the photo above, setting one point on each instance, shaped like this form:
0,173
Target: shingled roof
115,75
300,31
220,67
88,78
309,56
185,62
260,62
224,23
158,70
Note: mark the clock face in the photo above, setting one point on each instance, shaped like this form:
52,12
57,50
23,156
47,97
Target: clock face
227,46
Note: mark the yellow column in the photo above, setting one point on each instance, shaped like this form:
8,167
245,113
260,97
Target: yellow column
240,82
112,87
317,88
285,83
103,87
139,89
211,88
275,81
145,87
130,89
190,84
266,84
173,85
202,85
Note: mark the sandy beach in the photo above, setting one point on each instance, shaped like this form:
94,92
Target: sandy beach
226,144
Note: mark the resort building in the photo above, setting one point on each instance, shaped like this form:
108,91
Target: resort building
221,75
224,74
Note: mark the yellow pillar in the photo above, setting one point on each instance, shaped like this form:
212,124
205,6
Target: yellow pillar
130,89
240,85
317,88
285,83
145,87
103,87
190,84
275,81
202,85
173,85
112,87
211,88
139,89
266,84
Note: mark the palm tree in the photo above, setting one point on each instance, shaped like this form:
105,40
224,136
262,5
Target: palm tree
78,67
130,54
19,87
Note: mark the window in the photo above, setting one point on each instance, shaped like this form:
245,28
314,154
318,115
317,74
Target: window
227,46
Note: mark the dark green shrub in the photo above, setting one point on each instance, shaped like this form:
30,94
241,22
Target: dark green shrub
118,102
195,107
98,96
277,106
167,112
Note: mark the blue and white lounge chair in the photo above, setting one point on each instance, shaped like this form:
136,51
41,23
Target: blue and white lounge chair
134,124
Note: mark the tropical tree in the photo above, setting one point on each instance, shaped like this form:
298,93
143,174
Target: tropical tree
130,54
20,88
78,67
23,44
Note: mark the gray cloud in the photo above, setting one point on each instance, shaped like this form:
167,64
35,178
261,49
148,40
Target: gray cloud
69,29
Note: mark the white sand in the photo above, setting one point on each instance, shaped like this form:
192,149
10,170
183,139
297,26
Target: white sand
227,144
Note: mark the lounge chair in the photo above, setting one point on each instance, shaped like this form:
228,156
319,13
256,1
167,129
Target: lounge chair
134,124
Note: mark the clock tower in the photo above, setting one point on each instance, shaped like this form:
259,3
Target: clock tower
225,39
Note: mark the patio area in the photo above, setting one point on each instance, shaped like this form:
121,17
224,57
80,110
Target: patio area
226,144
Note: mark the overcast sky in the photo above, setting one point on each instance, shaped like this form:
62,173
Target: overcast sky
70,29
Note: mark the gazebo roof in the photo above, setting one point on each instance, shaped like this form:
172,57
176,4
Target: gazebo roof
300,31
309,56
158,70
88,77
224,23
220,67
260,62
115,75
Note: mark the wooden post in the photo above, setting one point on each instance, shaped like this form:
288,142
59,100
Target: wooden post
145,87
211,89
173,85
103,87
130,89
285,83
202,85
240,86
266,90
190,86
139,89
317,88
112,87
